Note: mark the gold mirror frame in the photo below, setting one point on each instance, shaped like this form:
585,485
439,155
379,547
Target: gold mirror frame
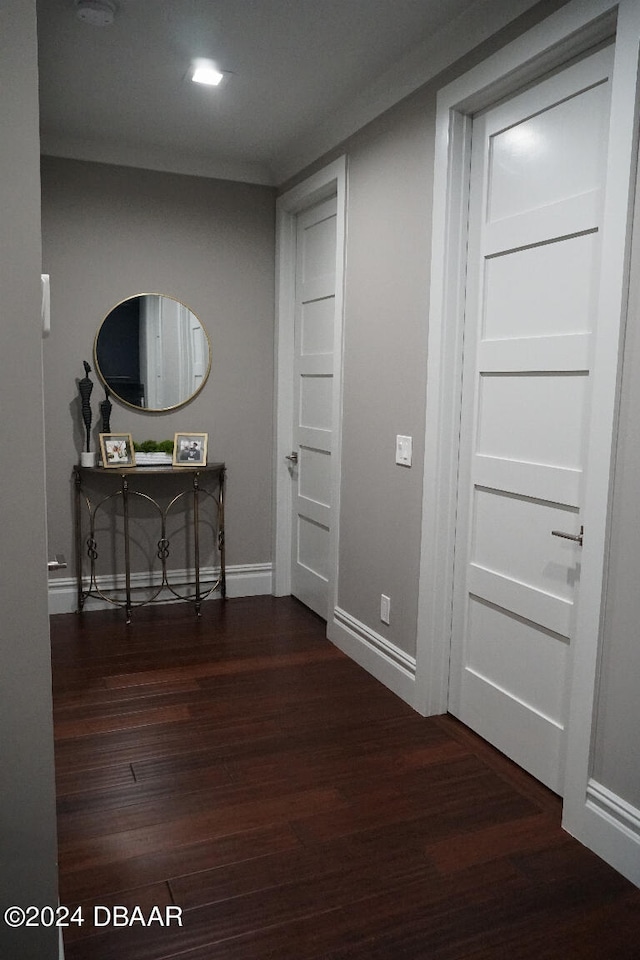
116,373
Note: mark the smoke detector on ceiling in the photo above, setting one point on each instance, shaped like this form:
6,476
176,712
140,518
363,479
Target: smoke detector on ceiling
97,13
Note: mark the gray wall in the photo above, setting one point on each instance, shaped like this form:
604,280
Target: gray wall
27,828
111,232
386,303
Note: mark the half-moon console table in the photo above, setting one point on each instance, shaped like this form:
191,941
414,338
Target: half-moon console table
203,486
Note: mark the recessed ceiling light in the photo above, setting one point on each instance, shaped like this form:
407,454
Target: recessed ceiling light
97,13
205,71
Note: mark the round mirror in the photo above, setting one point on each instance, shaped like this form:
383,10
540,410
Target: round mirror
152,352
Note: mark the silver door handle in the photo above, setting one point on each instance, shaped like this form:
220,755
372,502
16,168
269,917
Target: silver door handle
577,537
292,456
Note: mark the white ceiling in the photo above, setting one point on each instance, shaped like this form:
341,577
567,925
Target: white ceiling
302,75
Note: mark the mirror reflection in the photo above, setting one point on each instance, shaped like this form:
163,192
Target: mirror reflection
152,352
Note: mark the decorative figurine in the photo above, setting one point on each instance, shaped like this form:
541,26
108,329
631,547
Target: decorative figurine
85,386
105,409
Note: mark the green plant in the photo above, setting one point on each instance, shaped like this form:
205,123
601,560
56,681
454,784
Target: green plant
153,446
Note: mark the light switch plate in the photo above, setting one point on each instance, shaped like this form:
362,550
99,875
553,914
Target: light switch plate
45,304
385,608
404,450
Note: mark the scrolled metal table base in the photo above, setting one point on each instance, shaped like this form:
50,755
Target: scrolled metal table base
201,497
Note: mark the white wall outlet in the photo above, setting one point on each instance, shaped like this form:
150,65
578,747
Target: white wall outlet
385,608
404,450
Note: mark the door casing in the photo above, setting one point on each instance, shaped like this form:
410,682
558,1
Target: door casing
570,32
328,182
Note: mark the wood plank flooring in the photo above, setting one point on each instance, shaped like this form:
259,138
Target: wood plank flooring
241,768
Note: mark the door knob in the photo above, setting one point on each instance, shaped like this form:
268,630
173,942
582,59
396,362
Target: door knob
293,457
578,537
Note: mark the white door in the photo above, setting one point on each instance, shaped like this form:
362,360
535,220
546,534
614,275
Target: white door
315,309
537,172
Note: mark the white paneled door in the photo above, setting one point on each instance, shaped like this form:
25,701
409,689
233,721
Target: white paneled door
313,417
537,174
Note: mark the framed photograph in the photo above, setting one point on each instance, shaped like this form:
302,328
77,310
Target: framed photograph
117,450
190,449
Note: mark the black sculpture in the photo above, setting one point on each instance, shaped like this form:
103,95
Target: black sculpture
85,386
105,409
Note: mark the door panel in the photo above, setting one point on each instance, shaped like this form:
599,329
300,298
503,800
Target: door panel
514,655
550,156
522,520
532,417
534,740
316,328
315,476
311,547
519,305
536,173
313,403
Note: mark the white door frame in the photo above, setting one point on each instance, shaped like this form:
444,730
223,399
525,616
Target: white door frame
328,182
567,33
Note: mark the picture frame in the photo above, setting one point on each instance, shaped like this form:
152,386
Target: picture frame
117,450
190,449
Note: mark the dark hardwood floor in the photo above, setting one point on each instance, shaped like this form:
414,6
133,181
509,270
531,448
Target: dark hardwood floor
243,769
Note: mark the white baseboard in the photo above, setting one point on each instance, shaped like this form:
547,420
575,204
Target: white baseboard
381,658
610,826
243,580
